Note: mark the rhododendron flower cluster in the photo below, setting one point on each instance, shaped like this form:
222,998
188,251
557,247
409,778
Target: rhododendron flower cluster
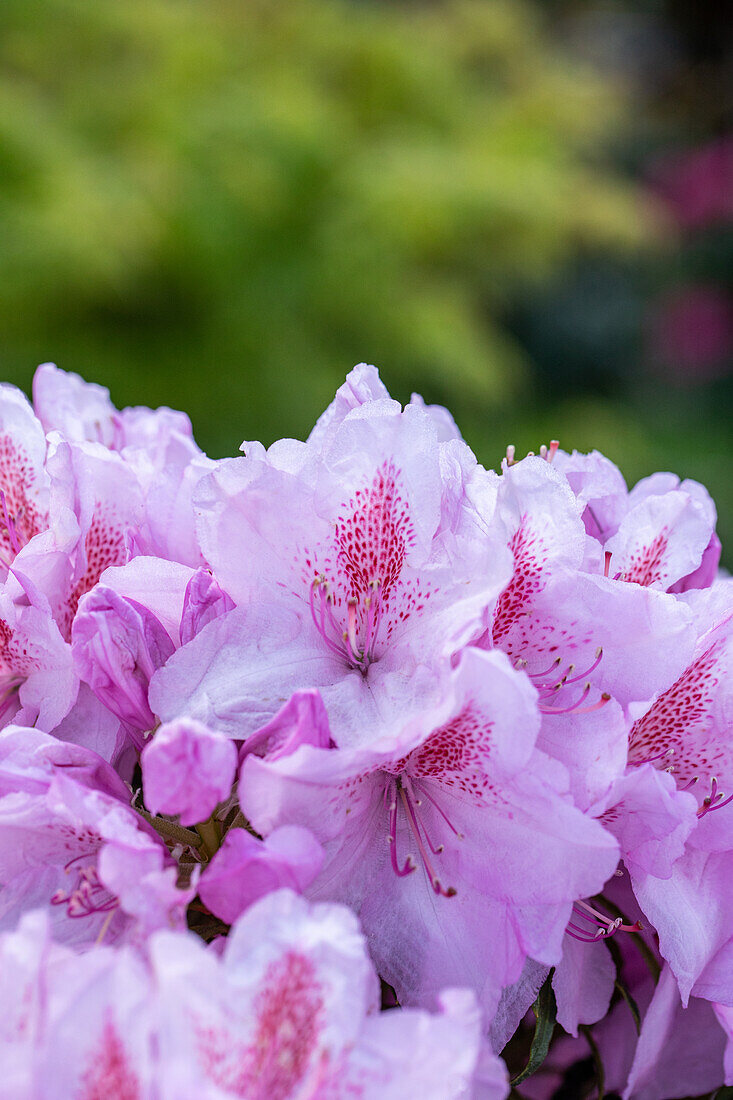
332,769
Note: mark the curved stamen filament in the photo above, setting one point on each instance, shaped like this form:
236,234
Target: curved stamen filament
553,668
577,707
88,896
442,813
716,800
364,619
409,865
418,835
416,803
591,668
318,615
603,926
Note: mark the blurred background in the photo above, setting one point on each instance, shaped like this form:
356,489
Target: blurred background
523,210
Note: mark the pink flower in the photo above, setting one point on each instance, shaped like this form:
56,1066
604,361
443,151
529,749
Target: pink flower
291,1009
71,841
451,830
187,770
245,869
118,644
352,579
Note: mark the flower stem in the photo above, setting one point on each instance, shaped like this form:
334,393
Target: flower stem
209,833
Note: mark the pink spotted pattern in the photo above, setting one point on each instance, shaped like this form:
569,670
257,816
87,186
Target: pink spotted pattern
109,1075
104,545
680,725
288,1010
455,760
20,517
373,534
647,564
457,754
359,591
530,556
19,656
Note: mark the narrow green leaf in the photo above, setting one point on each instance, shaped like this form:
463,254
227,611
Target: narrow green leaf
597,1061
545,1010
633,1006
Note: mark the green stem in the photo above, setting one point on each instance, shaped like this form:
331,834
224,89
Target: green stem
209,833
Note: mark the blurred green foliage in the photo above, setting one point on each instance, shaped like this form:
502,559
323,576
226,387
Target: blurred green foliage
224,205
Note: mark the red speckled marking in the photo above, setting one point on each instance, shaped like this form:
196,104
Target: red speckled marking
539,641
680,719
647,563
18,655
457,754
18,482
109,1075
530,556
372,536
289,1011
373,533
104,546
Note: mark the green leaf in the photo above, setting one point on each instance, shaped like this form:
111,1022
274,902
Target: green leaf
633,1006
597,1060
545,1010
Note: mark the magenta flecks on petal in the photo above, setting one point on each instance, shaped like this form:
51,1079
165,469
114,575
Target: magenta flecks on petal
647,564
358,593
457,753
20,516
105,544
454,758
18,658
530,558
679,731
109,1072
288,1009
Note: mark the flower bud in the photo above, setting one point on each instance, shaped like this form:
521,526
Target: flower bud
188,770
245,869
117,645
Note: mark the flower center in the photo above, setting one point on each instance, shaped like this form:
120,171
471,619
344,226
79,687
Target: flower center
356,643
88,895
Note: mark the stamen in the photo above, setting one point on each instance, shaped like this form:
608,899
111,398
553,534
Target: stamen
716,800
417,803
667,754
608,555
409,865
604,926
442,813
412,820
592,668
555,665
510,451
344,643
577,708
351,629
319,616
